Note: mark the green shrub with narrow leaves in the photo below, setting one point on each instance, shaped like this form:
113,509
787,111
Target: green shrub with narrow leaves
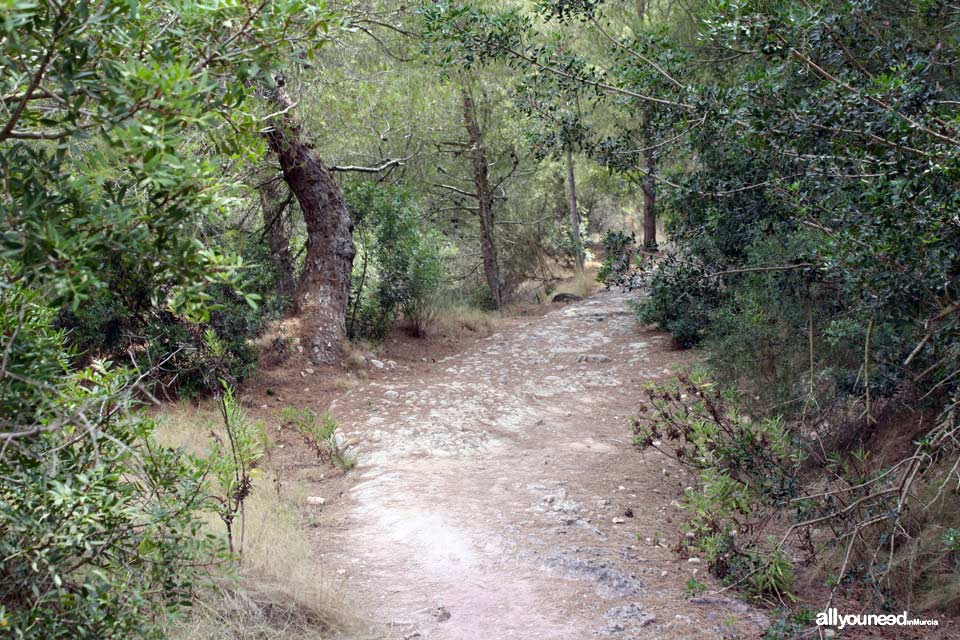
101,535
747,470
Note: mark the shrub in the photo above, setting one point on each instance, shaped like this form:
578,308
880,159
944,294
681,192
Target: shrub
886,528
398,266
747,469
951,539
618,250
101,535
124,321
234,462
789,626
320,436
420,301
694,588
680,299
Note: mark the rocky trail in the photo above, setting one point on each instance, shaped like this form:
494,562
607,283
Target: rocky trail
497,497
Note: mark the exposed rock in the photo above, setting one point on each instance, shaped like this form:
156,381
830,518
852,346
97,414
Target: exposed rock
441,613
729,605
610,581
592,357
558,502
376,364
566,297
580,523
392,394
628,617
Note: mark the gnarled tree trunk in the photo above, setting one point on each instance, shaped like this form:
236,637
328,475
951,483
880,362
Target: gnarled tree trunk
324,288
481,180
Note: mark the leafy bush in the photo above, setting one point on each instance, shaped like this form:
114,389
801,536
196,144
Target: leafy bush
112,161
123,321
819,270
398,266
618,250
748,468
101,535
681,300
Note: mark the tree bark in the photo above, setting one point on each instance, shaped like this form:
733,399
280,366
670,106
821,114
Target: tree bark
481,180
276,231
649,187
574,213
324,289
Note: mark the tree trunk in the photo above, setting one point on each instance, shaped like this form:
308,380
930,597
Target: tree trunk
574,214
481,180
649,187
276,231
324,289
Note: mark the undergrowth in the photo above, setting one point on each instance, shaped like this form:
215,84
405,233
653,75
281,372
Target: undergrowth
276,590
768,503
320,435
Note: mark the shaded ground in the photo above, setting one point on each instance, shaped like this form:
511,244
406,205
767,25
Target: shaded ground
496,495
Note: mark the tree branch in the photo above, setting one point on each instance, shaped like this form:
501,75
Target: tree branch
377,169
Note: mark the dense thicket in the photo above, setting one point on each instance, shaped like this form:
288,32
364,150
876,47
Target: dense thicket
816,255
119,126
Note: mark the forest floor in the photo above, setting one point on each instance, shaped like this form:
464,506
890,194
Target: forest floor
496,494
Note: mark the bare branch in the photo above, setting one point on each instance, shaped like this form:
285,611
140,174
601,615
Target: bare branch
386,164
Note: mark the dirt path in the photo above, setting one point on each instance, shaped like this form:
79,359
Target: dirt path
497,496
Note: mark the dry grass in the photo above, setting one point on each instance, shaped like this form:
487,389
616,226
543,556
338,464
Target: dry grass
357,354
345,383
183,424
581,284
923,572
558,279
456,318
279,589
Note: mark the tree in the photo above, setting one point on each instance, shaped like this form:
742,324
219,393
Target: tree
323,292
649,183
559,127
572,209
484,192
632,74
